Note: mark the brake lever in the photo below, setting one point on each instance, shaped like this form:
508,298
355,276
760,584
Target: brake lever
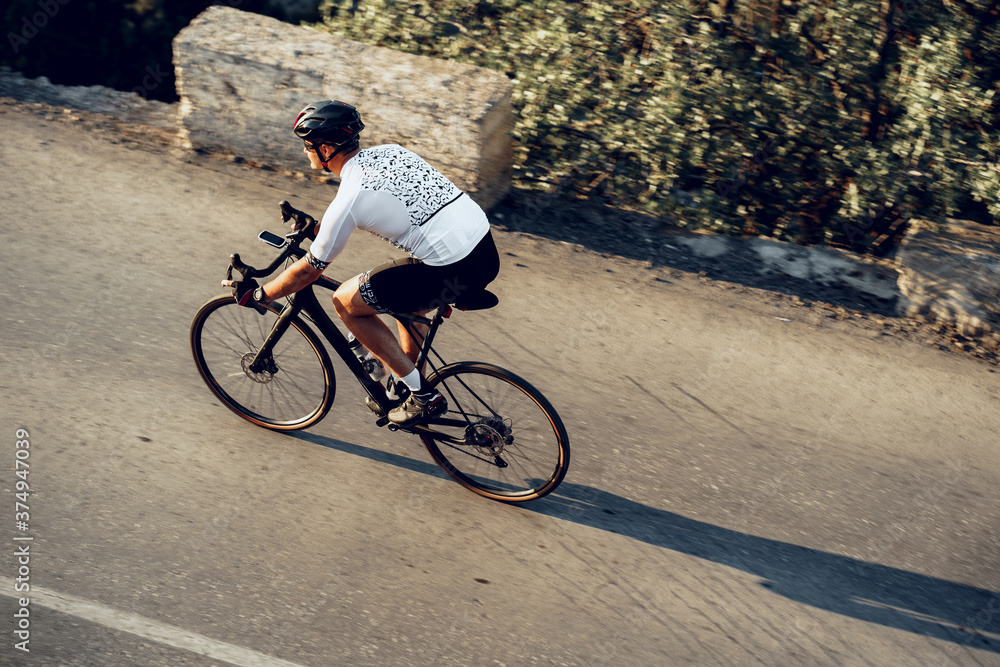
235,262
287,210
307,222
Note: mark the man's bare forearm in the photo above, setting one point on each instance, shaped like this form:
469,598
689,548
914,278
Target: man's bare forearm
291,280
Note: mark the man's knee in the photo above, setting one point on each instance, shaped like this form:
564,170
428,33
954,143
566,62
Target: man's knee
342,298
347,300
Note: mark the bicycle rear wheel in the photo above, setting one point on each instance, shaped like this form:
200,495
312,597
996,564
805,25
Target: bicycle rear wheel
295,390
500,437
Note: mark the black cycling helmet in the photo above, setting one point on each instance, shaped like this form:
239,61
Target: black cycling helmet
328,122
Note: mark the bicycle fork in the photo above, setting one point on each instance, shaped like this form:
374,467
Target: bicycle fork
264,359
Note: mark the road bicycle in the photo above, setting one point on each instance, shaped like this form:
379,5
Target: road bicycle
499,437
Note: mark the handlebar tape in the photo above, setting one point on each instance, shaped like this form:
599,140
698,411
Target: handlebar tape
236,263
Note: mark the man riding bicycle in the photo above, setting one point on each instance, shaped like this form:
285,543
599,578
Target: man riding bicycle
393,193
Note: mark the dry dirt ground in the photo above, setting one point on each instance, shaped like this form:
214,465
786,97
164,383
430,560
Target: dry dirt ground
608,231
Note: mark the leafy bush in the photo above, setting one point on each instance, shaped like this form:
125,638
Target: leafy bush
816,122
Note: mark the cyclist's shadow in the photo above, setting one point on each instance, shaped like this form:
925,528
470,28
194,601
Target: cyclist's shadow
852,587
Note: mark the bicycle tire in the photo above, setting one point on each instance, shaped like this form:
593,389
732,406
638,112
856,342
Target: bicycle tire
508,443
295,393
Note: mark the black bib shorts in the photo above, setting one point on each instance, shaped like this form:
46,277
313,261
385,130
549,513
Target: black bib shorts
408,285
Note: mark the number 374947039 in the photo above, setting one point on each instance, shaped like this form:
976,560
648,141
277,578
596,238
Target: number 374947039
22,452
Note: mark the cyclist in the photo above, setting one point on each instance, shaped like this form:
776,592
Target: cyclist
393,193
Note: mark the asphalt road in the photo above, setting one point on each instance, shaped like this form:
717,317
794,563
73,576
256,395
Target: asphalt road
750,484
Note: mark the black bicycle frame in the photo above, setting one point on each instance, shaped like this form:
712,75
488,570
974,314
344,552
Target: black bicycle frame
305,301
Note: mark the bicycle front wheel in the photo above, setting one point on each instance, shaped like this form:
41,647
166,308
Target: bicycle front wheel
499,437
296,388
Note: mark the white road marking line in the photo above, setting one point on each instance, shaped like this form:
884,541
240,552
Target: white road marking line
143,627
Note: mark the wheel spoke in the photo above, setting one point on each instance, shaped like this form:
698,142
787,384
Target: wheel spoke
500,437
225,337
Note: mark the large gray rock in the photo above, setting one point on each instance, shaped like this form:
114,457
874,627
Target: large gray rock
828,266
243,77
952,275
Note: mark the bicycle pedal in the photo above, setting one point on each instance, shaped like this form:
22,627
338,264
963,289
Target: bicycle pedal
382,421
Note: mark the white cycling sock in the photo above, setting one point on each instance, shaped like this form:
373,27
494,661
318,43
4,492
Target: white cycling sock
392,387
412,380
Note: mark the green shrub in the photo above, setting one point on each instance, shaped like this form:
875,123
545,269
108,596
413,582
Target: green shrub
813,122
816,122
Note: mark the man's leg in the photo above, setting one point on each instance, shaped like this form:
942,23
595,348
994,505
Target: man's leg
364,323
357,302
411,347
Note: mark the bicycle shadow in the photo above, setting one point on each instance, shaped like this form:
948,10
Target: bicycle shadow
860,589
867,591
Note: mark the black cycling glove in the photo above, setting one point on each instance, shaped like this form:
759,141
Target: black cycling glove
243,292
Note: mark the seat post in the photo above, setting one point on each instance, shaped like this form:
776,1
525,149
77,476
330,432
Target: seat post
425,348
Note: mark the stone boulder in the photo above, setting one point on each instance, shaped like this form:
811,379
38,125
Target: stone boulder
828,266
951,273
242,78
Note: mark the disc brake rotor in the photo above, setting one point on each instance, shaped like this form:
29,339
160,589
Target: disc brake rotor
264,376
490,437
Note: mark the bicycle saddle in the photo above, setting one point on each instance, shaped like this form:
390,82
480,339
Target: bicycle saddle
477,300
